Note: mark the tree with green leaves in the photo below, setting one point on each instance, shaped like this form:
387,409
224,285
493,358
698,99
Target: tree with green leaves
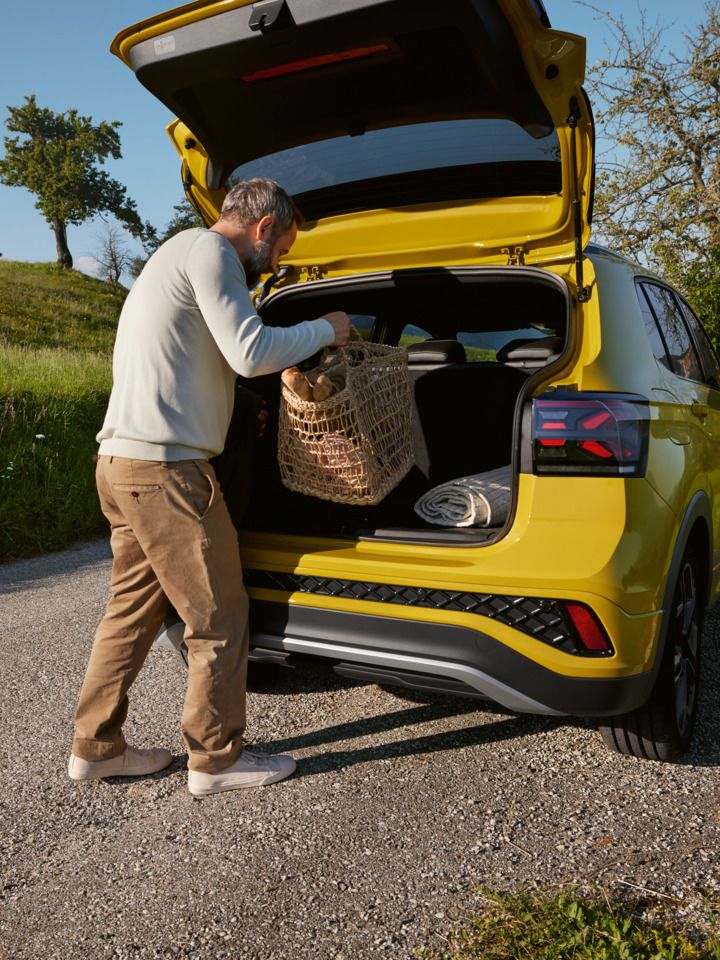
702,285
658,196
57,156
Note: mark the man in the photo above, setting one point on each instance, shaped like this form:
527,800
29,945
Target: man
186,329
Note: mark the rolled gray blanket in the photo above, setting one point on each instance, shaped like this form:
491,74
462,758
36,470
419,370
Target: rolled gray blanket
481,500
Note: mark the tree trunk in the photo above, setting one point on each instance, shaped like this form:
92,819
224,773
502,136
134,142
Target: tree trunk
64,257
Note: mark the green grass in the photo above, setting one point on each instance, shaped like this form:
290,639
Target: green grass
60,373
565,927
58,329
42,305
49,416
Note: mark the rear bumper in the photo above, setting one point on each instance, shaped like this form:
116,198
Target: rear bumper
430,655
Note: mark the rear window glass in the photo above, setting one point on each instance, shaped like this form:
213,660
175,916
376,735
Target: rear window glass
498,158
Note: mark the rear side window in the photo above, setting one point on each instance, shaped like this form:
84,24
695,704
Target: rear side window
480,346
484,346
652,331
413,334
708,357
363,323
683,358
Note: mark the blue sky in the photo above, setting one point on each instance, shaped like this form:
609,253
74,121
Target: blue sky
59,51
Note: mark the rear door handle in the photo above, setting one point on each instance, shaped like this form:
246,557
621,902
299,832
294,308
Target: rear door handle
700,410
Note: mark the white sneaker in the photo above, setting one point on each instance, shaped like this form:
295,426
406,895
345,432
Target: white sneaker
249,770
132,763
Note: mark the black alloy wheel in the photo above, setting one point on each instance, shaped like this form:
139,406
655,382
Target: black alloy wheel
662,728
685,635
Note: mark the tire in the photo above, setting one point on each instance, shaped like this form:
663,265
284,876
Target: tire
662,728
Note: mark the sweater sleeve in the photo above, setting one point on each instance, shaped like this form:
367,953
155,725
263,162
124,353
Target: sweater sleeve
250,348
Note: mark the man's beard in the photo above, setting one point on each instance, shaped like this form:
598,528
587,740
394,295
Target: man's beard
260,261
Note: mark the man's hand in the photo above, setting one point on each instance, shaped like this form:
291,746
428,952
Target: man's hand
340,322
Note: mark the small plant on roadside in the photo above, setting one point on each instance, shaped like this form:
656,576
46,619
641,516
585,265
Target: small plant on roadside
565,927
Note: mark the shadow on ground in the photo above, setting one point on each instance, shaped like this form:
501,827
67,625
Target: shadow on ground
497,724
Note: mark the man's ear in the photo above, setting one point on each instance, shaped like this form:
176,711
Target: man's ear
262,226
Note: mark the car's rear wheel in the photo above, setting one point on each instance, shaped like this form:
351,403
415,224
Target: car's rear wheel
662,728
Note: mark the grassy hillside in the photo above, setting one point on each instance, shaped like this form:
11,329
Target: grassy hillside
56,334
42,305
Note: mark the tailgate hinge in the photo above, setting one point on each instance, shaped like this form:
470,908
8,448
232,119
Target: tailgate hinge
313,273
515,257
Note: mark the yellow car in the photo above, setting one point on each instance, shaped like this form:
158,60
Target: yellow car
442,155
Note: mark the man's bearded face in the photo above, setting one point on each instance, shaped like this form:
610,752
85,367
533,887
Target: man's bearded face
260,261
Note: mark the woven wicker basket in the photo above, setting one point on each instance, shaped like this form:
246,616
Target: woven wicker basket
355,446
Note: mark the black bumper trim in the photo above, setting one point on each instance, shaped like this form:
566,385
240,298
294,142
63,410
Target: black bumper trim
538,617
449,646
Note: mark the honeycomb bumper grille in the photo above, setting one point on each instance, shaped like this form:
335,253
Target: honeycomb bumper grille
543,619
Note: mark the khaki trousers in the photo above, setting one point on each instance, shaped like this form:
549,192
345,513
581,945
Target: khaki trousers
172,540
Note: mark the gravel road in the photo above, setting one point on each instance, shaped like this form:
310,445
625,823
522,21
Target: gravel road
402,808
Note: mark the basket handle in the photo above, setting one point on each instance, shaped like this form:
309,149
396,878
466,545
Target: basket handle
354,335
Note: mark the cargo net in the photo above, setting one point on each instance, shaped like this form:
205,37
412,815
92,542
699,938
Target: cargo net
356,445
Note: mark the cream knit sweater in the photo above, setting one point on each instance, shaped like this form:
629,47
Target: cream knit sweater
186,329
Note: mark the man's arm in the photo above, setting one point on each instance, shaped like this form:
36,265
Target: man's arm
250,348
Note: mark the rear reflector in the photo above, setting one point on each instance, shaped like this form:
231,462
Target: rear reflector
312,63
589,629
597,434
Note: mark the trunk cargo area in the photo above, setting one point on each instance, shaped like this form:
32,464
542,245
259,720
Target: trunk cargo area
476,339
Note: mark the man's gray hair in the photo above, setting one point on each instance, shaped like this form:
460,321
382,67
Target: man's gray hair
250,200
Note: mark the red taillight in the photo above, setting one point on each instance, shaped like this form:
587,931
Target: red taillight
312,63
596,420
588,628
597,449
590,433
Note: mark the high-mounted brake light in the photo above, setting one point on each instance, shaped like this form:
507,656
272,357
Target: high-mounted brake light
312,63
597,434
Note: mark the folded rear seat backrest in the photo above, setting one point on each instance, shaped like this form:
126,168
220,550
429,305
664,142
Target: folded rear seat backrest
464,415
424,357
531,354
